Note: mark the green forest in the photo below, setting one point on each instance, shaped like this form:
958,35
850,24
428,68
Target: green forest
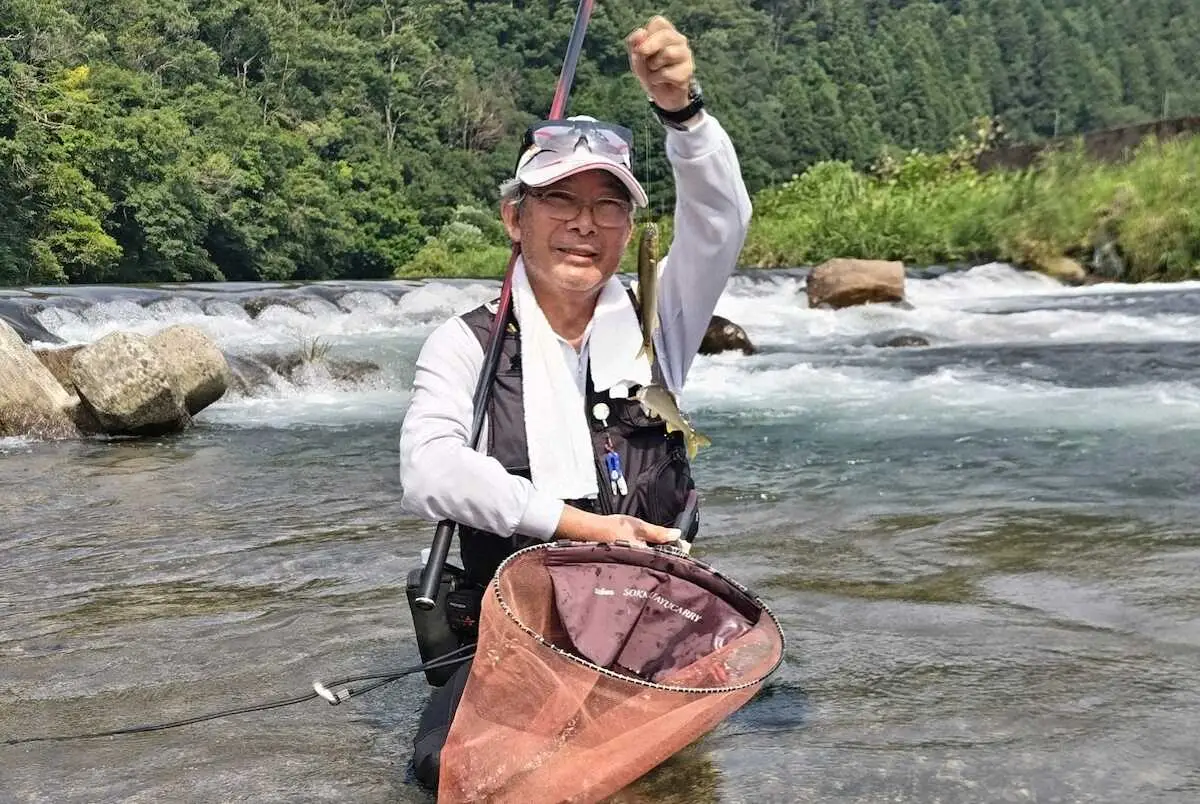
197,140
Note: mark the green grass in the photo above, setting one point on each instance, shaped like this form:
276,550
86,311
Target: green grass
940,210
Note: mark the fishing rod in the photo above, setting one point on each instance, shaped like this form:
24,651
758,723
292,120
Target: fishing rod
431,575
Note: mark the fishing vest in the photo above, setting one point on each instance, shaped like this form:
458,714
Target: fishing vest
655,464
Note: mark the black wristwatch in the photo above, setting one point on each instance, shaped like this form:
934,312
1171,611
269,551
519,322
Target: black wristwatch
677,118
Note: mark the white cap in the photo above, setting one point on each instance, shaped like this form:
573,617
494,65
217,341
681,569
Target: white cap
537,168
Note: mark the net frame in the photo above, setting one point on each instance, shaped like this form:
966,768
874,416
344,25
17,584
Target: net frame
490,758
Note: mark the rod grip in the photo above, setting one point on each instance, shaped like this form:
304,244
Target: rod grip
431,574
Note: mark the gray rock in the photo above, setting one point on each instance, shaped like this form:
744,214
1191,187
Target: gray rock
725,336
846,282
194,365
32,402
124,385
905,340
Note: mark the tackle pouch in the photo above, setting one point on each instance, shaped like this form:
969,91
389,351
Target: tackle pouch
452,623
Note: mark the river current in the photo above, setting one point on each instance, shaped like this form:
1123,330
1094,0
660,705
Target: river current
983,551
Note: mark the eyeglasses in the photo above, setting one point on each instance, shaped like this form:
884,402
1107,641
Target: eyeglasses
608,213
563,136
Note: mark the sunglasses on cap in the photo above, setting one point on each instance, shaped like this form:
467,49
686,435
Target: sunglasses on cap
563,136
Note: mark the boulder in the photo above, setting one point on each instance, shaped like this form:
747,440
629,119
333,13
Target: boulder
32,402
58,361
123,383
725,336
1065,269
195,367
844,282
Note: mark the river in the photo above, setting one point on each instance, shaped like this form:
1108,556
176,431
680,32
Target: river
983,552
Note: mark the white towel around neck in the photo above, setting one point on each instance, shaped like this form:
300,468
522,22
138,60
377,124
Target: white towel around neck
561,460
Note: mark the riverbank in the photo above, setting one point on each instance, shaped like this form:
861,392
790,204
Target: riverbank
1068,216
1134,221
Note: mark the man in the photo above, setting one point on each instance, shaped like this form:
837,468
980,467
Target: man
567,452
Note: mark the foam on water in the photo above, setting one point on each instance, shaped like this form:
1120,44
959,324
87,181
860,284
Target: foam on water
949,398
951,309
794,374
311,407
363,324
13,444
279,324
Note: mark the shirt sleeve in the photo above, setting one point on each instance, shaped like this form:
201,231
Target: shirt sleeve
442,477
712,217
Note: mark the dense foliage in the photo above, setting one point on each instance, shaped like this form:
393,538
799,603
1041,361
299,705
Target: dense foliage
1135,220
276,139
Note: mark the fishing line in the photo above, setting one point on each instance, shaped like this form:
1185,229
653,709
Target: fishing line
320,690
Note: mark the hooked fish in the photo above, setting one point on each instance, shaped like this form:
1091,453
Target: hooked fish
647,289
658,401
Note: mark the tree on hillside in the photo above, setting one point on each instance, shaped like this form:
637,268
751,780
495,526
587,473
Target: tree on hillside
230,139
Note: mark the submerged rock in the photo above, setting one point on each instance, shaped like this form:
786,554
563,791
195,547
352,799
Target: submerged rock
906,339
841,283
248,375
725,336
27,327
266,371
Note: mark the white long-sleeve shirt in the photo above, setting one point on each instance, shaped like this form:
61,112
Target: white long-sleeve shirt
444,478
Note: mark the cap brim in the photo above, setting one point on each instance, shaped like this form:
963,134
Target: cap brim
548,174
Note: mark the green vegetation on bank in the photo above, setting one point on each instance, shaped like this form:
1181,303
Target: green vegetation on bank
1135,221
308,139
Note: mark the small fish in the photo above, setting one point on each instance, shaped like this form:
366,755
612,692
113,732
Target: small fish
658,401
647,289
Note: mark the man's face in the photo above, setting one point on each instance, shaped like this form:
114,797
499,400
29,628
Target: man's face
577,255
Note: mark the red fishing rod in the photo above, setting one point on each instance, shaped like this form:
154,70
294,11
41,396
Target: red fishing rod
432,573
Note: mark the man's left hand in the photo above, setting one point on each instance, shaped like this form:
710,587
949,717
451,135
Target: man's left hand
662,61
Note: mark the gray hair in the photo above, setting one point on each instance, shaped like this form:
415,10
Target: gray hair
512,191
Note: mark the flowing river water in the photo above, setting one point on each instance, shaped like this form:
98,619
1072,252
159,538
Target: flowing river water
984,552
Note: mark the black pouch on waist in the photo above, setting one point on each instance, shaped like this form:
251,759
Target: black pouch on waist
452,623
462,610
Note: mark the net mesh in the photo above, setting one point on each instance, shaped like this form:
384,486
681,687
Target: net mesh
539,721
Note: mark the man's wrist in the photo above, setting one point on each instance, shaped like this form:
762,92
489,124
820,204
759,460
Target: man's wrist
680,115
672,102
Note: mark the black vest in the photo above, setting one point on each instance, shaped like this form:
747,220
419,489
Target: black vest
655,463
